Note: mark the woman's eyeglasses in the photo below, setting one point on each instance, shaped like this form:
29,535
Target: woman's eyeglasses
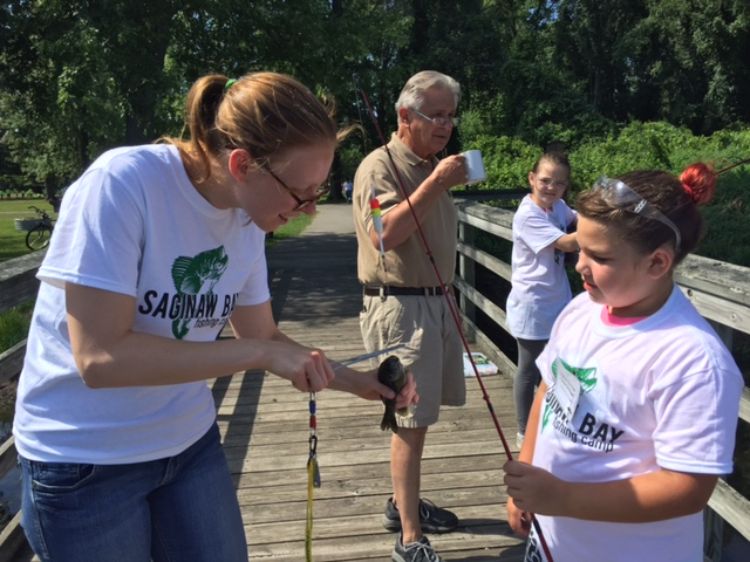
620,195
301,203
438,119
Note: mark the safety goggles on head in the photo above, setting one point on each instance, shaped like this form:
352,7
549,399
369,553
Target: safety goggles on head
619,195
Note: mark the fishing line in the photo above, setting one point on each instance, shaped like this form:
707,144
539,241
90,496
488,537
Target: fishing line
452,306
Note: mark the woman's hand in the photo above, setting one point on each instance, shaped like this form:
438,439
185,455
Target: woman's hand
306,368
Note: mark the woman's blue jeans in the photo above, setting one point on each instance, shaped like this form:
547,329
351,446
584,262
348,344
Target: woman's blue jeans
178,509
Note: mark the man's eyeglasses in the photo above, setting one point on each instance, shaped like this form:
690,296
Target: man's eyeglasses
547,182
301,203
438,120
620,195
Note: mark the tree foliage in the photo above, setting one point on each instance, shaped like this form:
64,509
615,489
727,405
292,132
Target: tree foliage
79,77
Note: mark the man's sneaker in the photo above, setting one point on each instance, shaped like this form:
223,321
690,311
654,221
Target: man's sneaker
420,551
433,519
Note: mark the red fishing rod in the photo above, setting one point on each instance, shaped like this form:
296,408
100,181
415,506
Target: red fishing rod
452,306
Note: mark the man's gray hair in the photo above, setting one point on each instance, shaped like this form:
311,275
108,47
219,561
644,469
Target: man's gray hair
412,95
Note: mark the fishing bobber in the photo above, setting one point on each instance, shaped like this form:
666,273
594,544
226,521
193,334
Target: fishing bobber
376,212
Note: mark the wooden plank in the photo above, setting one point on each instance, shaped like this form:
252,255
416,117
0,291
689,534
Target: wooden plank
488,307
476,518
12,539
497,229
732,506
715,308
745,405
18,282
498,267
8,455
11,361
493,216
726,280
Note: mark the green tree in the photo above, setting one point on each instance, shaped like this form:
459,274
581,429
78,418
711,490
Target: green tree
79,77
689,63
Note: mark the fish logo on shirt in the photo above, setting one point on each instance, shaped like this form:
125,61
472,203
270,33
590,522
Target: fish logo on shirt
585,375
194,275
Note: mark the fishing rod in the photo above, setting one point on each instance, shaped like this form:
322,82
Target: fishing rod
727,168
452,306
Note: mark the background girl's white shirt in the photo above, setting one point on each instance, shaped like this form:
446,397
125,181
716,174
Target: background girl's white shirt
133,224
540,287
660,393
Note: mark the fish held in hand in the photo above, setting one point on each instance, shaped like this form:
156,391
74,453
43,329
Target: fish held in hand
392,374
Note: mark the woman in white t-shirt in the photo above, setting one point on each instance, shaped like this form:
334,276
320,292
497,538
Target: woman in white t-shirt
635,417
540,287
156,248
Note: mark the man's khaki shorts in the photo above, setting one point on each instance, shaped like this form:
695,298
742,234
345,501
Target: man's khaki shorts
435,356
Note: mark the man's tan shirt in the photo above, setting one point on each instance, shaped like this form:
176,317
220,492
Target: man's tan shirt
408,264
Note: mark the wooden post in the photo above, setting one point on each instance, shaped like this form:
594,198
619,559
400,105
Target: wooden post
467,269
713,523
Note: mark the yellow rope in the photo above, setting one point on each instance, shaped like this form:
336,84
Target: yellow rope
313,476
312,469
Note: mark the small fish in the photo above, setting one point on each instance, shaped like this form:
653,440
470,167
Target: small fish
392,374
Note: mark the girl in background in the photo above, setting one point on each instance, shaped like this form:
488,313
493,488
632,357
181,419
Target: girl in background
540,287
635,418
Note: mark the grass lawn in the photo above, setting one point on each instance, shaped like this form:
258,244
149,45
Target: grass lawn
12,241
291,229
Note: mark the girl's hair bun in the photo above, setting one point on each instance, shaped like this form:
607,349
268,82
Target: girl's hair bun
699,182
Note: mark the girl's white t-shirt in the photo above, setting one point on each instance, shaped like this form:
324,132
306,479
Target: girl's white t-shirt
540,287
133,224
663,392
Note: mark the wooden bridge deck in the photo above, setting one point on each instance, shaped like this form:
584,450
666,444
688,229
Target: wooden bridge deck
265,426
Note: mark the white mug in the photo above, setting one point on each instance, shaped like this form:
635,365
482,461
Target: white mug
474,166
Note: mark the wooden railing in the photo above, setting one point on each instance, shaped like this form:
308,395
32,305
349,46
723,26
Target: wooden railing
720,291
17,284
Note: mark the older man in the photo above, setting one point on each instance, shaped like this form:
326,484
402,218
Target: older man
403,300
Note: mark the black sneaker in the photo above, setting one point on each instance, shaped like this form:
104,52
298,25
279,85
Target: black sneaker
433,519
420,551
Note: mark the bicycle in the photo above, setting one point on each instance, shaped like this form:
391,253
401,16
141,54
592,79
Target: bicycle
38,237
